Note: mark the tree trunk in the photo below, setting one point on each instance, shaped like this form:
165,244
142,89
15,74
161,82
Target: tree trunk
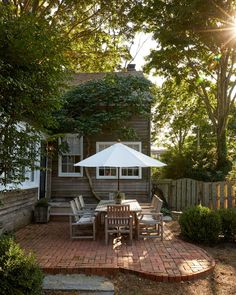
88,174
223,164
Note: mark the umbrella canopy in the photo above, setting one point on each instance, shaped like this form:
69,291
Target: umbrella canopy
120,156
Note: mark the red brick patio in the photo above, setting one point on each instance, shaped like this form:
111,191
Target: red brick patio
170,260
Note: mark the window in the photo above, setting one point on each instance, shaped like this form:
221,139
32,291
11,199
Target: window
70,157
125,173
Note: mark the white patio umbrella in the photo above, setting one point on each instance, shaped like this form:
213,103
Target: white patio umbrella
120,156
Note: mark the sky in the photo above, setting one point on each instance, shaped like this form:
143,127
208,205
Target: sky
143,43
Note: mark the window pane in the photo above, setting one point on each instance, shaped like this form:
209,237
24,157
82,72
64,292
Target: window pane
113,171
124,172
101,172
130,172
106,171
77,169
136,172
73,156
64,168
68,164
73,144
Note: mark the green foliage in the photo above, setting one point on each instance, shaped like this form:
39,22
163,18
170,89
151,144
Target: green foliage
192,163
200,224
19,274
228,223
43,202
104,105
165,211
181,125
196,43
32,71
177,112
97,30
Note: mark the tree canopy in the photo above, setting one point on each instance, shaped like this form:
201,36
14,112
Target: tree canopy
97,30
196,43
177,114
104,104
40,42
32,73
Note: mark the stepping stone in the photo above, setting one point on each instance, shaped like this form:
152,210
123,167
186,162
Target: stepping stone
86,285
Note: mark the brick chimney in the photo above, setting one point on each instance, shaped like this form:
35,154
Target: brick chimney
131,67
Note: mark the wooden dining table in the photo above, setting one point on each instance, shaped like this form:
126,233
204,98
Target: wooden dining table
135,208
134,205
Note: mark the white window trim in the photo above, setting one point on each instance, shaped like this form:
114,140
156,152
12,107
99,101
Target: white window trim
121,177
70,174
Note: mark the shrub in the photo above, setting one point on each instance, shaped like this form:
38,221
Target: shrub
200,224
228,223
165,211
43,202
19,273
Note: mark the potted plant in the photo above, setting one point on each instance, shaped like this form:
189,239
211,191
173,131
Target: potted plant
119,197
42,211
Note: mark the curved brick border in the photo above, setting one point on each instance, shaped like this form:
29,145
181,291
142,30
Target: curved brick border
170,260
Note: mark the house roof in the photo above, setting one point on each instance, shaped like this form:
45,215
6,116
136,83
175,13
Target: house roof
85,77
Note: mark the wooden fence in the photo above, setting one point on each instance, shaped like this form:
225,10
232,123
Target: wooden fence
184,193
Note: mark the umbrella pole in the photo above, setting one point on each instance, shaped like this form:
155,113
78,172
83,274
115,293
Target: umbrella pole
118,179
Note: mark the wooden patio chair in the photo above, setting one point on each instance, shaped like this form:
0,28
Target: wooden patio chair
118,220
81,223
83,206
153,204
150,221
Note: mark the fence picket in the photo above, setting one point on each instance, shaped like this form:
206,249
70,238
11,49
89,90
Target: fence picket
230,193
233,196
174,200
188,192
178,195
225,195
213,190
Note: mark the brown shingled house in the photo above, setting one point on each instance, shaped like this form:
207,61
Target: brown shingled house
67,181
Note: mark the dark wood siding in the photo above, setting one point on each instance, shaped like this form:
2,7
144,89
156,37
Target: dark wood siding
69,187
17,207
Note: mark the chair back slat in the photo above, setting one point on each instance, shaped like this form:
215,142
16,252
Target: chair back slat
154,201
77,203
81,199
158,204
74,210
118,215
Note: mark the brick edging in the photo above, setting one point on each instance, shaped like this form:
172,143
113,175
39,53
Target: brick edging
108,271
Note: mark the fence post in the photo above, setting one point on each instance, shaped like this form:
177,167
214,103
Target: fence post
233,196
211,196
218,196
225,195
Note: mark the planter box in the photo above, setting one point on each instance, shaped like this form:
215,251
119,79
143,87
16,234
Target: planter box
41,214
1,229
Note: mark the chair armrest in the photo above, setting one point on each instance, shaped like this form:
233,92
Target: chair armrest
73,217
152,214
90,206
